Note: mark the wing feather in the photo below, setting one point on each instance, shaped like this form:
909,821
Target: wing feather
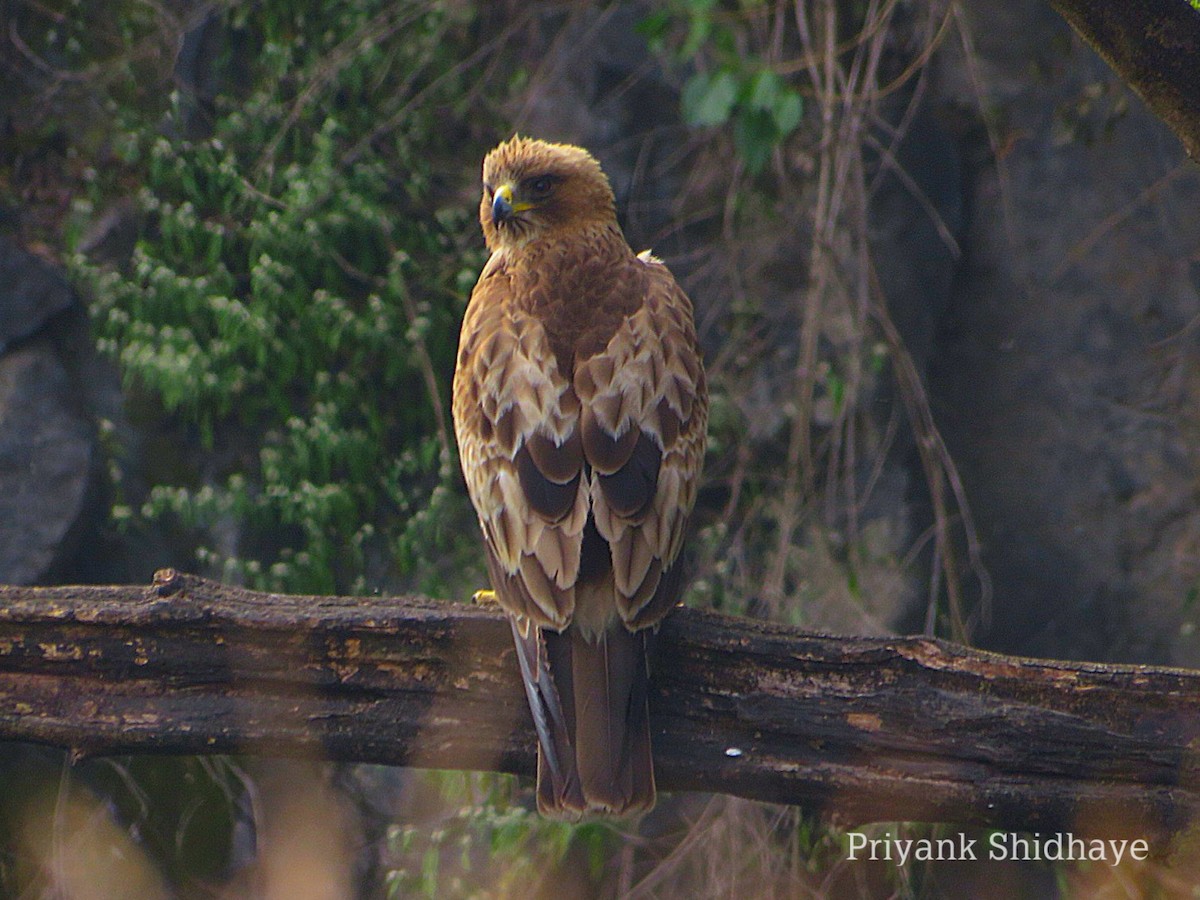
546,497
558,462
643,428
630,490
516,421
605,452
620,443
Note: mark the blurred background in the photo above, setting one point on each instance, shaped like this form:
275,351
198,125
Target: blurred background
945,269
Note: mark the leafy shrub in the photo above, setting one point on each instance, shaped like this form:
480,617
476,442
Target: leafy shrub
737,87
293,299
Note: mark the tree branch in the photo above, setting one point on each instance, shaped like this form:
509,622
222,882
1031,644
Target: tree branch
1153,45
863,729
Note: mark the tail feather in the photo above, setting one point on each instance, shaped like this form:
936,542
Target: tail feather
600,762
556,759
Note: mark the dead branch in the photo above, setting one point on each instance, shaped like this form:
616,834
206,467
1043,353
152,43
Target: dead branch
861,729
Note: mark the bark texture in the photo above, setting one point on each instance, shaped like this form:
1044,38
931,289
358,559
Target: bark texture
860,729
1153,46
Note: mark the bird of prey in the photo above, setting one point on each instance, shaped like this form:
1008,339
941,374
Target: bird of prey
580,409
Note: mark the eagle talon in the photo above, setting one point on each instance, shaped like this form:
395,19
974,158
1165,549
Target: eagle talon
484,597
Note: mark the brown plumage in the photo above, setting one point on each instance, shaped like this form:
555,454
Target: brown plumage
580,409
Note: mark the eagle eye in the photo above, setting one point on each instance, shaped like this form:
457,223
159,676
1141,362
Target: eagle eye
540,186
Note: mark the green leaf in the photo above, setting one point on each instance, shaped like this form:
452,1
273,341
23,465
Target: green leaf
789,110
755,136
699,29
770,93
654,28
708,99
764,90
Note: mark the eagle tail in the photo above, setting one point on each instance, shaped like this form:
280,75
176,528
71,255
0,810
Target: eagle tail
556,772
604,765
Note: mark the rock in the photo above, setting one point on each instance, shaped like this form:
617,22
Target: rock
1064,377
917,225
32,291
46,464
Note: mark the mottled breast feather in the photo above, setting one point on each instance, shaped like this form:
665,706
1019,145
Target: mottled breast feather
580,409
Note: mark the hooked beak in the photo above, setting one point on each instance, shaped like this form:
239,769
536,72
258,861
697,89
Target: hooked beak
502,204
505,206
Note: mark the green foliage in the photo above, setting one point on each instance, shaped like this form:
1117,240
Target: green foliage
86,42
78,63
741,90
489,844
294,297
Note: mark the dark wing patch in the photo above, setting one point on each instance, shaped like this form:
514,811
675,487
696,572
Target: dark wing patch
666,595
595,558
606,453
558,463
546,497
630,490
668,424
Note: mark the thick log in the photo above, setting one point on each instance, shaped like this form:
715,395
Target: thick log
861,729
1153,45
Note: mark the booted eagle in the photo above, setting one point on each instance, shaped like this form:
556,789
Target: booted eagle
580,408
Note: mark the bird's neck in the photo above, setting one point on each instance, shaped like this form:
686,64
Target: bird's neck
568,239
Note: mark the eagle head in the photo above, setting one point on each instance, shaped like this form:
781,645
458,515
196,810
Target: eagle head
534,189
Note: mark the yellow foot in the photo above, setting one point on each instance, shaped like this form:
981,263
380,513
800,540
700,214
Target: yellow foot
484,597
